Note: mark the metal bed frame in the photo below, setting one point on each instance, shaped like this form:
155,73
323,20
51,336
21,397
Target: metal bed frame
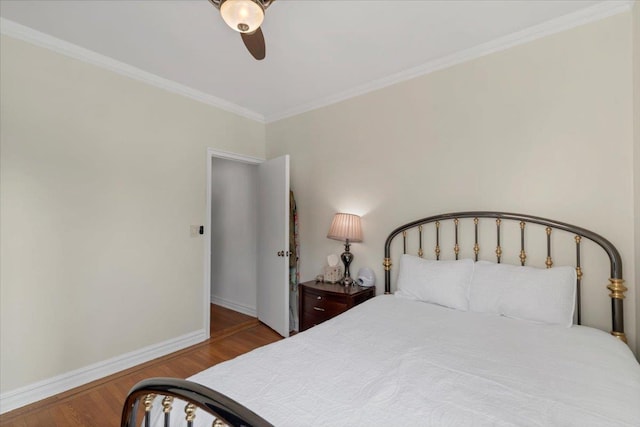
227,412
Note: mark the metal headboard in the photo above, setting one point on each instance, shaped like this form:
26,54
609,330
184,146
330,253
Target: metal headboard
616,282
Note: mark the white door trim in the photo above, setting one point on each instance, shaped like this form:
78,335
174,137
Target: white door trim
206,294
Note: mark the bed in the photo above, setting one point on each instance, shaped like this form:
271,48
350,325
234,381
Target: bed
463,339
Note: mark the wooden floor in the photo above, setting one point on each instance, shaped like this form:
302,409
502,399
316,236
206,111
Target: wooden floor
100,403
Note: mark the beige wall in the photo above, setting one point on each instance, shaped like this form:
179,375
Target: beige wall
636,149
543,128
101,177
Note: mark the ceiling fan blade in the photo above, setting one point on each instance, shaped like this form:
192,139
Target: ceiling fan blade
255,43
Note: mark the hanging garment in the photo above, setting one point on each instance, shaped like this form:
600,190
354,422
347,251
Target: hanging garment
294,263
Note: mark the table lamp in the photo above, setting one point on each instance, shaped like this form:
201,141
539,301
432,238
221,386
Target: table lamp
346,227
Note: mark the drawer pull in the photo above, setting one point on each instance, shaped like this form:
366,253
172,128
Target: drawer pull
318,297
318,308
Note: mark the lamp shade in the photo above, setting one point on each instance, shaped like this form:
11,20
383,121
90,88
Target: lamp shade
244,16
345,227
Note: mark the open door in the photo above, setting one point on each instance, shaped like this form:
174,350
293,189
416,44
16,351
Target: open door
273,244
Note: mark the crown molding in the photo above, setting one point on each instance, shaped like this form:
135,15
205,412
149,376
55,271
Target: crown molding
27,34
594,13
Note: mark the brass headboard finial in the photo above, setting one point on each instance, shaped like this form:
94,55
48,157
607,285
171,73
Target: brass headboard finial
523,257
617,288
190,411
166,404
578,267
148,402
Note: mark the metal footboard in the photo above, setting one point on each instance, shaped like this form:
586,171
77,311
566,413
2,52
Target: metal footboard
164,393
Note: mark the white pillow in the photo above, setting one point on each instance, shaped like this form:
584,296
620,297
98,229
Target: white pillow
440,282
540,295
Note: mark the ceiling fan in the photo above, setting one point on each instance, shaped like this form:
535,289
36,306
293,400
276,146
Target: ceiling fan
246,16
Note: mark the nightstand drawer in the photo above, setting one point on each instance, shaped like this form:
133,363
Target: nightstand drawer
323,305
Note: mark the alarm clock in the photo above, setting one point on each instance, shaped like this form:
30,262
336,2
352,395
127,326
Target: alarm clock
366,277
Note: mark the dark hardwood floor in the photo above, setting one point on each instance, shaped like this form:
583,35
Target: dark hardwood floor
226,322
100,403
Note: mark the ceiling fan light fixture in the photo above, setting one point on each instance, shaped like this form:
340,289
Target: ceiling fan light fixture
244,16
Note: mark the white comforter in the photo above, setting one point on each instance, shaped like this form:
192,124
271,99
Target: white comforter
397,362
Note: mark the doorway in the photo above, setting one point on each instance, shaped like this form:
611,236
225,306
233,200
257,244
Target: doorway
234,235
207,288
247,237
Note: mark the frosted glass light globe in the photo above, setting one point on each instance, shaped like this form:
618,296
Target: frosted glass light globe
244,16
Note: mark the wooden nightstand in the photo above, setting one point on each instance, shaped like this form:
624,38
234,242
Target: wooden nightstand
321,301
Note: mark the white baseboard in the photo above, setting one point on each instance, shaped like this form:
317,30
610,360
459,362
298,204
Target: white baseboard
42,389
241,308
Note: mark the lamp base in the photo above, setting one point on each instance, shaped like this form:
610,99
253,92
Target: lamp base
347,257
348,281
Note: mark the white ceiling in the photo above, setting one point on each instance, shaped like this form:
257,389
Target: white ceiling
318,52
